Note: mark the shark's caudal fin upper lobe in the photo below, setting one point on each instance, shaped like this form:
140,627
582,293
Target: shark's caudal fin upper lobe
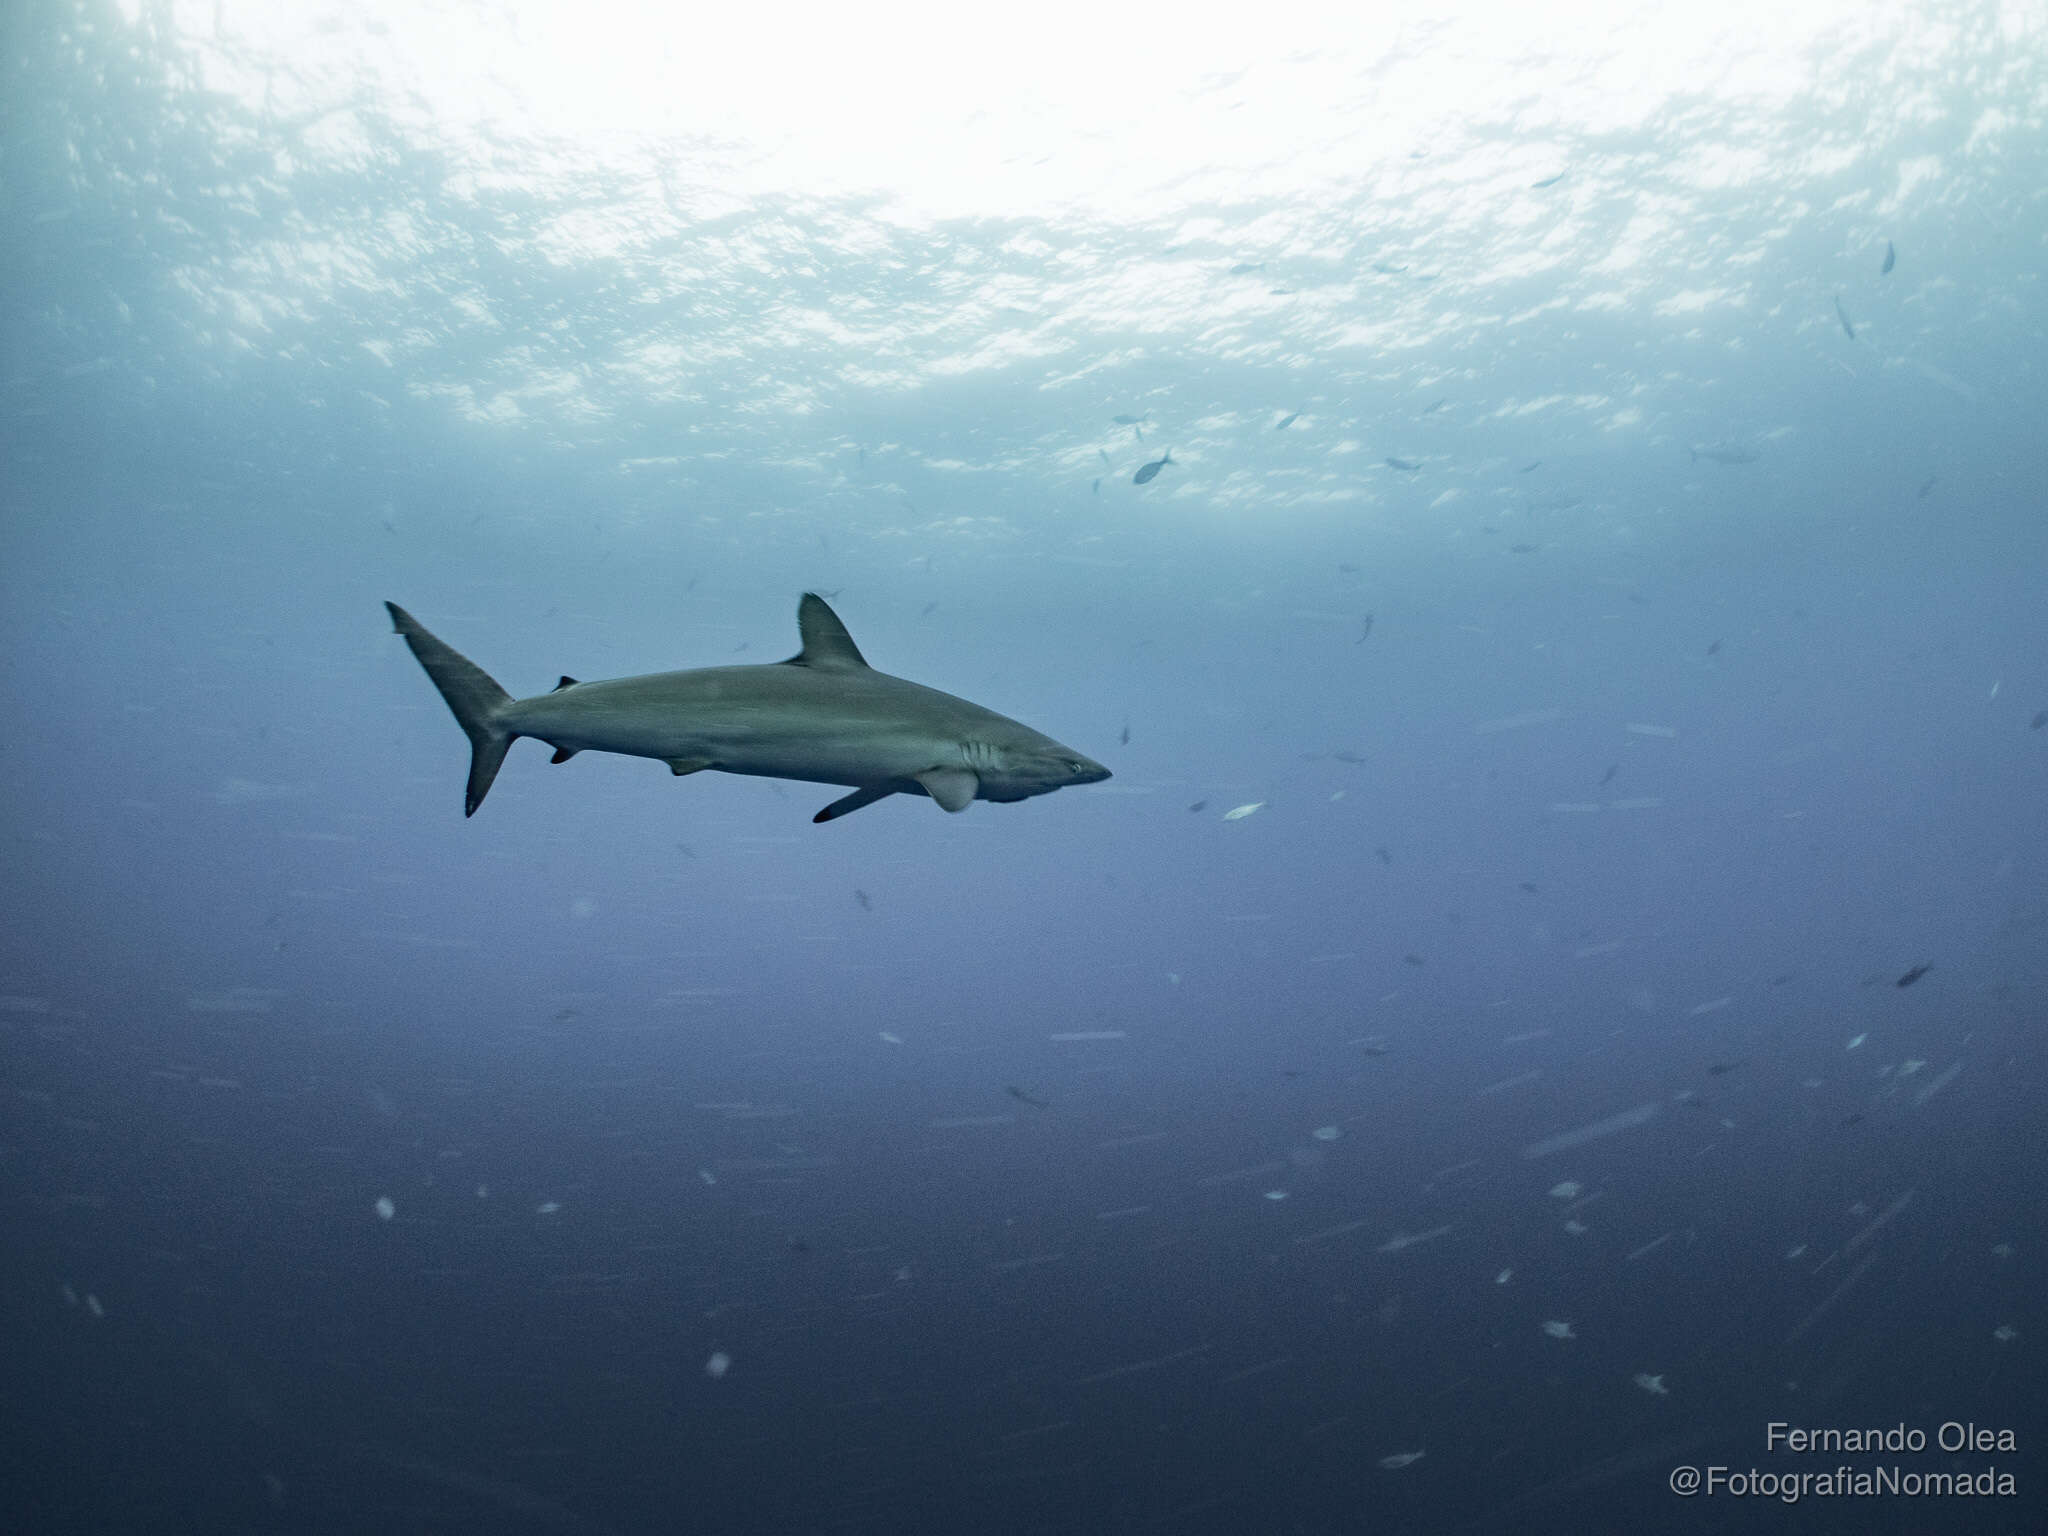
472,697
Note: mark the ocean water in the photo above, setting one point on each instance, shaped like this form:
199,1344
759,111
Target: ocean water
1553,989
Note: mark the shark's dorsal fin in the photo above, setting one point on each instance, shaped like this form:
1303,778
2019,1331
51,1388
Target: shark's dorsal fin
827,645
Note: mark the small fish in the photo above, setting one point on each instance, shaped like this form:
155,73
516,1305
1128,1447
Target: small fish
1414,960
2038,721
1842,315
1391,271
1538,464
1238,813
866,903
1402,1459
1095,486
1891,259
1141,433
860,455
1124,736
1245,268
1347,757
1725,453
1198,807
1024,1098
1654,1385
1129,421
1102,456
1548,181
1723,1068
1147,472
1913,975
1927,486
1523,549
1364,629
1714,649
1431,410
1286,421
1385,857
1404,465
1612,770
1529,886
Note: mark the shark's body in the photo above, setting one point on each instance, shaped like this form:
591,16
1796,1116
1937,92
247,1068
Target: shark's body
823,716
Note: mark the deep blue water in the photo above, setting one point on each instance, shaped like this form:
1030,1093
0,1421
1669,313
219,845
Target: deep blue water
1526,1099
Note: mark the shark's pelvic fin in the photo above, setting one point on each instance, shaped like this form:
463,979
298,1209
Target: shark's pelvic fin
827,645
853,802
472,697
953,788
682,765
563,754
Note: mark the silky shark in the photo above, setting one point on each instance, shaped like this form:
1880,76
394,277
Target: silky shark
823,716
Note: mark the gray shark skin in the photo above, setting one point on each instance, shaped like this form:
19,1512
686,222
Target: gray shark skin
824,716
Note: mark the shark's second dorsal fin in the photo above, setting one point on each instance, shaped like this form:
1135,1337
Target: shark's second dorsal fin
567,682
827,645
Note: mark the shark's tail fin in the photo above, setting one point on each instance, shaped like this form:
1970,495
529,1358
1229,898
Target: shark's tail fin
472,697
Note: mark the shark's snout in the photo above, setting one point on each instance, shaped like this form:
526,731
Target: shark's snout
1087,771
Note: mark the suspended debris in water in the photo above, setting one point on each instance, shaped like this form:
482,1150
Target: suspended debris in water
1406,466
1024,1098
1559,1330
1842,315
1654,1385
1891,259
1403,1459
1914,975
1130,421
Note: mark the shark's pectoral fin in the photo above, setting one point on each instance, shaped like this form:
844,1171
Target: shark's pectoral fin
682,765
853,802
563,754
953,788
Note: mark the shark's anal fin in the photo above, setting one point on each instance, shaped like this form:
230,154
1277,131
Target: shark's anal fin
567,682
953,788
853,802
682,765
563,754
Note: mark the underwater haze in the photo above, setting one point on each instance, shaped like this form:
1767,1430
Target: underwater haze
1543,513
